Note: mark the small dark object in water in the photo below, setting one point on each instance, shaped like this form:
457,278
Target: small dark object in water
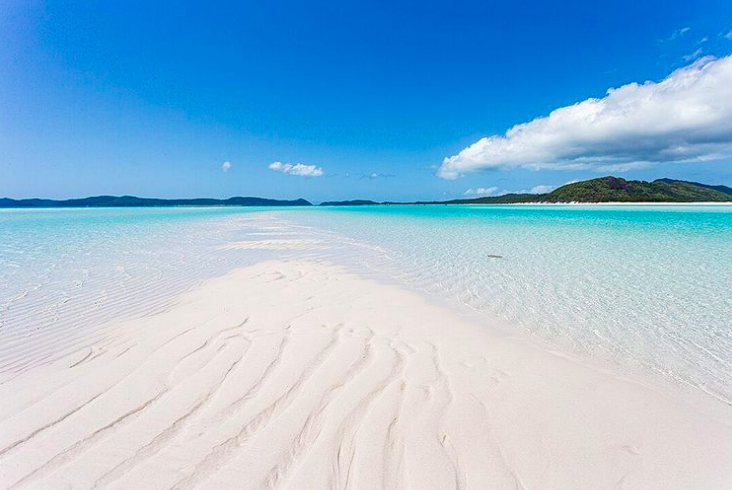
493,256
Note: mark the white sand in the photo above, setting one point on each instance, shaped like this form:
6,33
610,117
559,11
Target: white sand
301,375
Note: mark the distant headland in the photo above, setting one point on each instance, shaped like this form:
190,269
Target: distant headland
601,190
604,189
132,201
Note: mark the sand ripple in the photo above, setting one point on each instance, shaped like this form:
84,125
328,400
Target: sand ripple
301,375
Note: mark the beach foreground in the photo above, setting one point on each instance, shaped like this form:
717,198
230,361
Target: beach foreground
300,374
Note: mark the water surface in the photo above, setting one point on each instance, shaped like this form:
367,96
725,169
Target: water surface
648,288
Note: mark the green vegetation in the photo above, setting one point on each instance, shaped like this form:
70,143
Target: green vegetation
355,202
132,201
504,199
613,189
721,188
604,189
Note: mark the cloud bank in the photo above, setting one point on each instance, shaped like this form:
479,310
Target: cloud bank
298,169
495,191
541,189
685,117
482,191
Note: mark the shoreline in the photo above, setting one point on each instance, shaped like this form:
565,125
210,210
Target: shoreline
620,203
302,374
318,205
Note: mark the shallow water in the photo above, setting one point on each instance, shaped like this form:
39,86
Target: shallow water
641,285
65,271
648,288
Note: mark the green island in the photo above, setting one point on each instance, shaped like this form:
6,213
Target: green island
603,189
132,201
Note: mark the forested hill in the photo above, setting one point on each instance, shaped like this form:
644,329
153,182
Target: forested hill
132,201
613,189
604,189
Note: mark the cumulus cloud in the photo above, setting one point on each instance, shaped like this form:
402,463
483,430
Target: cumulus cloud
685,117
226,166
298,169
482,191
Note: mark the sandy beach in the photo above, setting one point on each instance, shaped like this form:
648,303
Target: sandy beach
300,374
375,245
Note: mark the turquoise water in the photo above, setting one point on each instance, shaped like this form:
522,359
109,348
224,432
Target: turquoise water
65,271
647,288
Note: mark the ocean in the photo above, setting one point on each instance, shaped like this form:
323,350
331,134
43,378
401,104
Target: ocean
647,288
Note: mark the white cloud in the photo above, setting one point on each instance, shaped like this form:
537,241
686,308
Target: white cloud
482,191
676,34
376,175
494,191
226,166
685,117
537,189
692,56
541,189
729,35
298,169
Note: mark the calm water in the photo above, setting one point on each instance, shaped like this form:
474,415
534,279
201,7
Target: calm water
63,272
649,288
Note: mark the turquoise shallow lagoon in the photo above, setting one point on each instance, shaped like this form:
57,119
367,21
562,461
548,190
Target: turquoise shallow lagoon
649,288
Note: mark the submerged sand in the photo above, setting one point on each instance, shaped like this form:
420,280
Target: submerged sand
302,375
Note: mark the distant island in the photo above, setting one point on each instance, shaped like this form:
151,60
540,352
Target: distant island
604,189
132,201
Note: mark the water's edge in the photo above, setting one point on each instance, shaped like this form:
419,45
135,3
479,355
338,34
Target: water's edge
636,290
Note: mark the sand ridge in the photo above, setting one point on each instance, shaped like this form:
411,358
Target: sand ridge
298,374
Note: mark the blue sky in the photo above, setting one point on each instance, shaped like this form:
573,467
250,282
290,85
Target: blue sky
129,98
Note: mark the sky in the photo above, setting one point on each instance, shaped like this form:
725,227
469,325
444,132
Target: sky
327,100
